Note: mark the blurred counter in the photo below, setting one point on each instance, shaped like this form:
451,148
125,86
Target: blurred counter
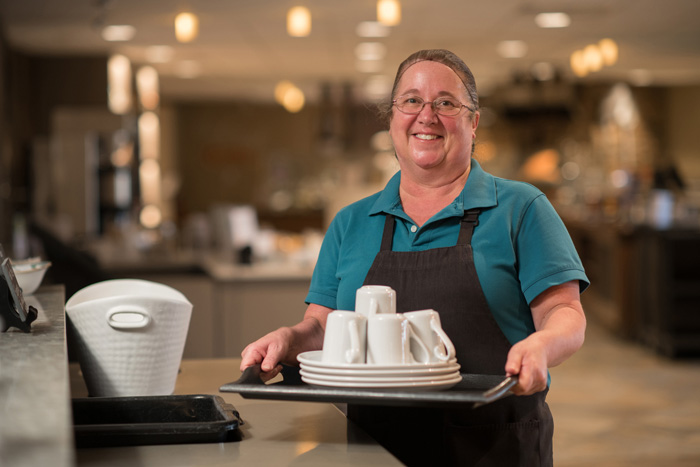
35,419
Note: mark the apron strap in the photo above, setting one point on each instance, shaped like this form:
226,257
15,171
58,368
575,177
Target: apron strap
388,235
469,222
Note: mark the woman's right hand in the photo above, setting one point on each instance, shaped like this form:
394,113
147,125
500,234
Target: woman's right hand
268,351
284,344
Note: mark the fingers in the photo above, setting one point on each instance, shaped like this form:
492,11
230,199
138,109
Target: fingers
530,366
250,356
268,351
268,375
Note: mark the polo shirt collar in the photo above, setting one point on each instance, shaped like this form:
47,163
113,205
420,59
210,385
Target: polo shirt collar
478,192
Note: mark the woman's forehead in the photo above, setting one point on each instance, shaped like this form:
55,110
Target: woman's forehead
428,72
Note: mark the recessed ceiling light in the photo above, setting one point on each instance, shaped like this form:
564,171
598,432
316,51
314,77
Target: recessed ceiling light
186,27
553,20
512,49
372,29
159,53
370,51
377,87
299,21
389,12
118,33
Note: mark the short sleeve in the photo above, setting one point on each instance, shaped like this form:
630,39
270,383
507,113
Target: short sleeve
546,253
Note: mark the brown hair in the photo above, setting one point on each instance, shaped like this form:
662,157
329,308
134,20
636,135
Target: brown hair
444,57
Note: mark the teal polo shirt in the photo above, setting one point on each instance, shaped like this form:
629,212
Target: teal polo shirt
521,246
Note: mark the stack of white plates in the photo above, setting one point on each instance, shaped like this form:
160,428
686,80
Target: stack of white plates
422,376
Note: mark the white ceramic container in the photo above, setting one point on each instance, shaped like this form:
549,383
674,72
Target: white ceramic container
129,335
29,274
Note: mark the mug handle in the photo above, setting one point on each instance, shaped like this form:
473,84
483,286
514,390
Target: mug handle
352,355
128,317
413,336
449,352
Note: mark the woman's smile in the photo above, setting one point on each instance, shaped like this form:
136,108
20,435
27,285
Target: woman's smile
426,137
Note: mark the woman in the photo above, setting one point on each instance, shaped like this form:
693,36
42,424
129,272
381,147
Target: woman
491,255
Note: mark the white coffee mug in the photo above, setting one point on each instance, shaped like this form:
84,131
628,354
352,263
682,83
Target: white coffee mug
374,299
345,338
389,340
426,325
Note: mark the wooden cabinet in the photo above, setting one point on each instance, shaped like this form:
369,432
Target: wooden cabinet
670,312
645,283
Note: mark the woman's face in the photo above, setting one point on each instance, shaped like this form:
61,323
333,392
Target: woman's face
429,141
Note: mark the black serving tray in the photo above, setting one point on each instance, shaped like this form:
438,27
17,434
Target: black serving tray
128,421
472,391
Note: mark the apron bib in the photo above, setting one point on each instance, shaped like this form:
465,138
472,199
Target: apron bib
514,431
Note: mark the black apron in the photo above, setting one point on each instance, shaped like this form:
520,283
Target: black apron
514,431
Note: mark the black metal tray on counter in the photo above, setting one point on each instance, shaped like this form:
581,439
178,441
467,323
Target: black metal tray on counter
145,420
472,391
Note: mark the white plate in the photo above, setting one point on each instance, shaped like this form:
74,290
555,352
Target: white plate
379,378
421,385
313,359
382,372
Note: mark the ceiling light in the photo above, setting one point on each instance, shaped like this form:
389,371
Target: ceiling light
578,64
553,20
512,49
149,135
377,87
370,51
293,100
372,29
186,27
159,53
151,216
119,84
299,21
389,12
147,87
592,58
118,33
289,96
609,50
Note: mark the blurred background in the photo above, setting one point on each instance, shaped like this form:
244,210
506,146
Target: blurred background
207,145
198,138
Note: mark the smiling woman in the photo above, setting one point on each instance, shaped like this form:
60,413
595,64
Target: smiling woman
489,254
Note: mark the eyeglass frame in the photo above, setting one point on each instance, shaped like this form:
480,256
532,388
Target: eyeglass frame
432,106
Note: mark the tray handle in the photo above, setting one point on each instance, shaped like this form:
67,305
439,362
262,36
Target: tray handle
251,375
498,391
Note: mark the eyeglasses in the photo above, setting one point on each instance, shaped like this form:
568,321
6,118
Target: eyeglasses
447,106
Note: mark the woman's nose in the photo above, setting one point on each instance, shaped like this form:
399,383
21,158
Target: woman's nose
427,113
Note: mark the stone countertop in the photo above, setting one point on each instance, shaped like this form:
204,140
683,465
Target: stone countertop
35,413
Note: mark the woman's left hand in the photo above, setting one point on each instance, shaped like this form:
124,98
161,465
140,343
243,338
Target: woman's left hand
528,360
560,326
